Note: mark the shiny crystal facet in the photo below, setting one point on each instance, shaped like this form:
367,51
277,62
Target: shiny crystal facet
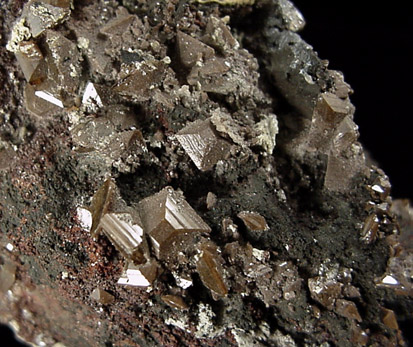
203,144
253,221
211,275
102,296
166,215
103,202
126,234
29,57
139,275
174,301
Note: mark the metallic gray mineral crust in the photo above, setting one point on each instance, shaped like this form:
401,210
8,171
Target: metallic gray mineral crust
188,173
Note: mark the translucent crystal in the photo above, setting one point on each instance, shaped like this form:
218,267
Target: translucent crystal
253,221
102,296
38,105
126,234
370,228
324,291
211,274
63,61
104,201
139,275
203,144
174,301
166,215
29,57
388,318
347,309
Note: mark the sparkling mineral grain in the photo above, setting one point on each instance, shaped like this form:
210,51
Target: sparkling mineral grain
203,144
166,215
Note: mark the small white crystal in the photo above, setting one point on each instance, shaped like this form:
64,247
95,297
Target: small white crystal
84,217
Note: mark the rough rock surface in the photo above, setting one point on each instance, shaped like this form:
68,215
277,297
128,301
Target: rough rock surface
188,173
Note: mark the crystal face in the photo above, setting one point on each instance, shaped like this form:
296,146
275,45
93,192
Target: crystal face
167,214
102,296
253,221
30,57
203,144
139,275
210,274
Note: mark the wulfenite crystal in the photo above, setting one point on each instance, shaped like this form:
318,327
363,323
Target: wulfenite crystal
166,215
203,144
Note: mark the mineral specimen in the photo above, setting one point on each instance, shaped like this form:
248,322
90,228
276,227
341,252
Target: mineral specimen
229,202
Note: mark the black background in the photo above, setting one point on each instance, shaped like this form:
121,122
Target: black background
371,44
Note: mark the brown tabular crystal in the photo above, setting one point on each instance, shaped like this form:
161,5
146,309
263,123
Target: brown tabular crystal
192,50
324,291
126,233
39,106
389,318
117,25
203,144
175,301
347,309
210,274
219,36
29,57
141,80
142,275
120,223
166,215
102,296
103,202
253,221
370,228
63,60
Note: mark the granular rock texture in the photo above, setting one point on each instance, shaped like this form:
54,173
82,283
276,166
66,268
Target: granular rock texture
188,173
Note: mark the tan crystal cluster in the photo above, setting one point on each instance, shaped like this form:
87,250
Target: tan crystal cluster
173,229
